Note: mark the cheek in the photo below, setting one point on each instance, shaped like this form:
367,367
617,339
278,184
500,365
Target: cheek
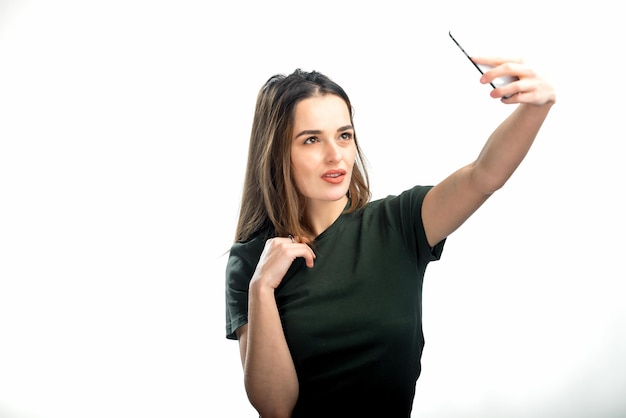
303,164
299,172
352,158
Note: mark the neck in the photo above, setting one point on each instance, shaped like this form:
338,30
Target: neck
323,214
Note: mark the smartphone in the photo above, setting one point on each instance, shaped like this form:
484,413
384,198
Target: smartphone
497,82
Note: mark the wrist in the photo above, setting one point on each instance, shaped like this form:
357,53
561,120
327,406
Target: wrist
259,288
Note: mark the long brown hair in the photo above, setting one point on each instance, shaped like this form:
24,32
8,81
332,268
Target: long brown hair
270,199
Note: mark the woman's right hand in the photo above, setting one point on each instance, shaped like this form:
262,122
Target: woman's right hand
269,373
276,258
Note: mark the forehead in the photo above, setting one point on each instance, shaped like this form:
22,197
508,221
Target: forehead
328,109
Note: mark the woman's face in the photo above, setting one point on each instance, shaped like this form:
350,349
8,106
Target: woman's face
323,150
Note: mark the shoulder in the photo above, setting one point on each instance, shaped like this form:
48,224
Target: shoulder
409,197
399,212
247,253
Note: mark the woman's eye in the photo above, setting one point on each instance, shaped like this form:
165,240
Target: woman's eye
346,136
310,140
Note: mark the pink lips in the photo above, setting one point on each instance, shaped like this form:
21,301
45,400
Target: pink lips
334,176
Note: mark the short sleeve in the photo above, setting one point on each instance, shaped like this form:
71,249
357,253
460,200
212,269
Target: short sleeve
242,261
430,253
407,210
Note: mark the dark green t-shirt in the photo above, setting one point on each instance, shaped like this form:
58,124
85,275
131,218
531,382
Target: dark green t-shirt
353,322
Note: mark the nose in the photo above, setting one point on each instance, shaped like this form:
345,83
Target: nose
333,152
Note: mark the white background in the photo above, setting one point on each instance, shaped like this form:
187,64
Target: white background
123,137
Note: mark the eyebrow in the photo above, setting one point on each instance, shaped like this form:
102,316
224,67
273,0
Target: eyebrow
317,131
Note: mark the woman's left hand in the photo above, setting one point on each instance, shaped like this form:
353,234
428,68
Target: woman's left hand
530,88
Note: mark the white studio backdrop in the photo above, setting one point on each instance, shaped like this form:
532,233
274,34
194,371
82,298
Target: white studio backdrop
123,137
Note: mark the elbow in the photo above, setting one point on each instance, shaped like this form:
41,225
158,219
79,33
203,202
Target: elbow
487,182
273,405
273,411
490,186
274,415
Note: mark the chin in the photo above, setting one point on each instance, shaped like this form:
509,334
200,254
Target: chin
338,197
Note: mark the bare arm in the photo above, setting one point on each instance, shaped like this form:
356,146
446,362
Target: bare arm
269,374
454,200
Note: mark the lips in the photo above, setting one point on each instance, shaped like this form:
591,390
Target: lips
334,176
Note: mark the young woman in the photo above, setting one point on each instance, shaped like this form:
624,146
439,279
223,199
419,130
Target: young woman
323,286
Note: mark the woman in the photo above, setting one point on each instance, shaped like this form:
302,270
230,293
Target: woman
323,286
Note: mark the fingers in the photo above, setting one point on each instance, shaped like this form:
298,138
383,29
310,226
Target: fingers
277,256
509,93
289,249
535,91
302,250
527,86
496,61
507,70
